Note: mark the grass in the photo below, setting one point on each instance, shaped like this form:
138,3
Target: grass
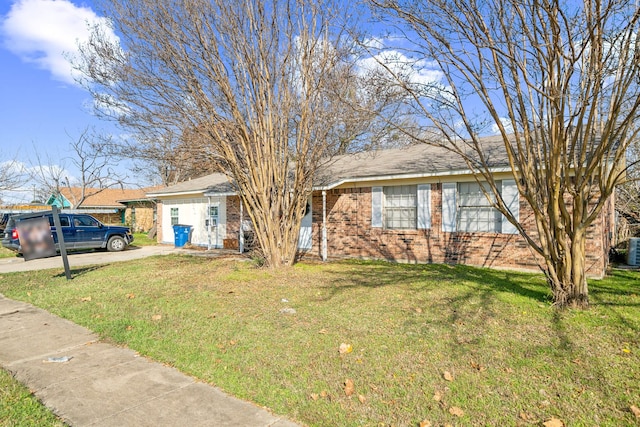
142,239
18,407
6,253
513,360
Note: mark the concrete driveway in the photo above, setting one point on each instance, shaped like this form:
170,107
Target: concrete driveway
13,264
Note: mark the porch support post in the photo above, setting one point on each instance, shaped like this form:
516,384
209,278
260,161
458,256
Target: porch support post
208,221
324,225
241,231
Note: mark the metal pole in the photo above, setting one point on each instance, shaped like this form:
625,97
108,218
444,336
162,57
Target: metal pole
63,246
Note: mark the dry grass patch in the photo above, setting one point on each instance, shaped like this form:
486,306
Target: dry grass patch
510,358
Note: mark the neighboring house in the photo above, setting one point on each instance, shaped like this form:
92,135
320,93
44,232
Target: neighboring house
110,205
415,204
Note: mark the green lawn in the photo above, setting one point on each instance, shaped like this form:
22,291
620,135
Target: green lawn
19,408
141,239
6,253
449,345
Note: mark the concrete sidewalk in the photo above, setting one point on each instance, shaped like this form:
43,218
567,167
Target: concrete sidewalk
103,385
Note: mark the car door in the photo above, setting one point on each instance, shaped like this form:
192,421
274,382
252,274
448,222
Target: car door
67,232
88,233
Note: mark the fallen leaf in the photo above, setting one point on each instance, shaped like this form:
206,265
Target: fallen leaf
437,396
345,348
322,331
478,367
156,317
131,296
362,399
454,410
233,342
553,422
418,310
349,387
635,410
447,376
425,423
314,396
85,299
129,327
524,416
28,294
626,350
324,394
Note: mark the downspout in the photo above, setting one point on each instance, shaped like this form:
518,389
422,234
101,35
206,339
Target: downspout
208,221
241,231
324,225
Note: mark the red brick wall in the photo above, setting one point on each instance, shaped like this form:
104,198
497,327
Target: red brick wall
349,234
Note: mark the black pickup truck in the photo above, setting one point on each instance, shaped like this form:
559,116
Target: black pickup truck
80,231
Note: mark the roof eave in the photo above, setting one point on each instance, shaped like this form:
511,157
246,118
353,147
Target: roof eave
439,174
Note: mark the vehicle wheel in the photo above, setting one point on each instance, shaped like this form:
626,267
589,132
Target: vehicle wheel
116,244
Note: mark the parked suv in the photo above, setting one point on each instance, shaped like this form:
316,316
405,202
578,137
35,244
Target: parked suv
80,231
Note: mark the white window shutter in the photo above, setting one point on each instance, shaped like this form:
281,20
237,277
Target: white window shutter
376,206
511,198
449,206
424,206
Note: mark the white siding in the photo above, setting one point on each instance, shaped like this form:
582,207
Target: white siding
194,212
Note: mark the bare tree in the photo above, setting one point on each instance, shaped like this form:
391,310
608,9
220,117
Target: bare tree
12,175
558,81
90,156
251,78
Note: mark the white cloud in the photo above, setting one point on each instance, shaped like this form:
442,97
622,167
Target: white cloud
413,71
506,122
47,32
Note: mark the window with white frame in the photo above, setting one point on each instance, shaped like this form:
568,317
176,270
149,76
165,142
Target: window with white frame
475,213
400,207
174,216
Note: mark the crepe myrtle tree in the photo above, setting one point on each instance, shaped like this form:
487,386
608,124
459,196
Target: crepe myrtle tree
558,81
253,80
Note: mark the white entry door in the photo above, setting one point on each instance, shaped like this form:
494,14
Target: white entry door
304,241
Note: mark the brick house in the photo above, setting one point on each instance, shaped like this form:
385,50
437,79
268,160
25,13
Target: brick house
128,206
416,204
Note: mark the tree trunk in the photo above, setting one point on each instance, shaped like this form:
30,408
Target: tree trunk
567,275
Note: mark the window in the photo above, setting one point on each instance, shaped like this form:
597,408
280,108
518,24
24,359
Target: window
213,216
475,213
174,216
85,221
400,207
64,221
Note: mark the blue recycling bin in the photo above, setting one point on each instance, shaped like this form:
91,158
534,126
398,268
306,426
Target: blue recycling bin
181,234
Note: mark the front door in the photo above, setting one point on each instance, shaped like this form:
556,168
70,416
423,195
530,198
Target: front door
304,241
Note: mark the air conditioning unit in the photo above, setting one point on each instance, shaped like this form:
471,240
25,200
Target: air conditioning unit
633,253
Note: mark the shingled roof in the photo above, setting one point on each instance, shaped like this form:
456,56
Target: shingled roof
415,160
216,182
103,198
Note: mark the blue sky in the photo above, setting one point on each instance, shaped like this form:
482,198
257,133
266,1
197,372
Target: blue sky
42,106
